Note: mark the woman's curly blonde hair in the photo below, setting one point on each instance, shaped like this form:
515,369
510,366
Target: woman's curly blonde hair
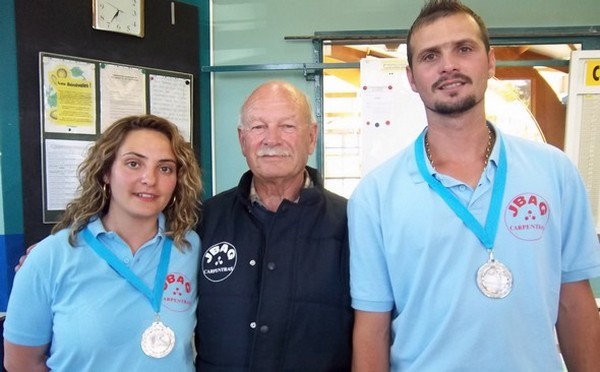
181,214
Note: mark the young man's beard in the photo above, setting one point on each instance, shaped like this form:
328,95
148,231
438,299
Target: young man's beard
455,108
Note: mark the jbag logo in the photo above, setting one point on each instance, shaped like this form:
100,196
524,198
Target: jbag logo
219,262
526,216
178,293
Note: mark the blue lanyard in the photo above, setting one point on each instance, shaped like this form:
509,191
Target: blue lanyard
155,296
486,235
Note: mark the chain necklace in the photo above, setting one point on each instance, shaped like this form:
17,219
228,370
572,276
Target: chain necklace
488,150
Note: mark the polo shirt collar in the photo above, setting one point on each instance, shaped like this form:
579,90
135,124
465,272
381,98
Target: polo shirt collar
96,227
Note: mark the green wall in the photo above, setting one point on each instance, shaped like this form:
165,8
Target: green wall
11,210
11,216
253,31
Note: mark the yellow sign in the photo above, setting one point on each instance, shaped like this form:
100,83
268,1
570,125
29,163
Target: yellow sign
70,97
592,73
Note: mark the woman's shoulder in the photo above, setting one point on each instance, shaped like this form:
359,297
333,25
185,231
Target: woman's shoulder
50,251
194,239
57,240
192,236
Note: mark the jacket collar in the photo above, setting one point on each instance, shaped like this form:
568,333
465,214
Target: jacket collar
314,181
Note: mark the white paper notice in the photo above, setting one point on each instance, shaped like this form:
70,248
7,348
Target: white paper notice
62,159
589,153
392,114
123,93
170,97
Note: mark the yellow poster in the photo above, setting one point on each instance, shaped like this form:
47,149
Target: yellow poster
592,73
69,96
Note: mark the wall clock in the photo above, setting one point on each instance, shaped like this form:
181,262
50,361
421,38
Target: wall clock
122,16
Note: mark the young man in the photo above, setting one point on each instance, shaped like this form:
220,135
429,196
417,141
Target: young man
273,285
470,247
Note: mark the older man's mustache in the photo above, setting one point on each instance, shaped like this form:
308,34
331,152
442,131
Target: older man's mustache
273,151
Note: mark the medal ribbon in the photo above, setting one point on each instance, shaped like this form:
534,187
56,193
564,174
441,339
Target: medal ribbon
155,296
486,234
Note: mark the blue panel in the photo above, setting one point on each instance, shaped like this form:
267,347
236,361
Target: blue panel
11,248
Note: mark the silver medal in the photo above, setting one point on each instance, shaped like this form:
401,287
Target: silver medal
158,340
494,279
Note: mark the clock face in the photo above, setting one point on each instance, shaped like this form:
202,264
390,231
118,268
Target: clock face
123,16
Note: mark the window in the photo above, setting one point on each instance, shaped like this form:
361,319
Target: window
526,98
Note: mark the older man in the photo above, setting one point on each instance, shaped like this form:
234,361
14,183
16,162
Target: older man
274,283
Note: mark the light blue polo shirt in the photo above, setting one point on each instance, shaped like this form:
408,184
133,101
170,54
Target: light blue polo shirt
92,317
410,254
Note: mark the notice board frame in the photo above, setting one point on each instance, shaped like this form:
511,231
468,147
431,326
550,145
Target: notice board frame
64,137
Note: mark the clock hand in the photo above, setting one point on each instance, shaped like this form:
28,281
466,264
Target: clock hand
115,16
114,6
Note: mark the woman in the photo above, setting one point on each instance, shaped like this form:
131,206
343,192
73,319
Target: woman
105,291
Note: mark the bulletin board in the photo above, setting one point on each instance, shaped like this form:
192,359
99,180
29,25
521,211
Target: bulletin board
81,97
582,134
62,29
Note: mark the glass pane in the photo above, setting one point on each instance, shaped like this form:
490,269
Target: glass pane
511,103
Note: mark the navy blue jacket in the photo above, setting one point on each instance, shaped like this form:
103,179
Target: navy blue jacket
274,296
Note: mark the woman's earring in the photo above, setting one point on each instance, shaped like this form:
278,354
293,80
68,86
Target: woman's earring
106,191
172,203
